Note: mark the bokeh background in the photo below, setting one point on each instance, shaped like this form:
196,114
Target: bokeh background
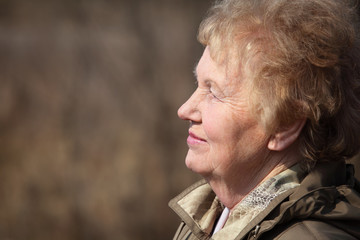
90,143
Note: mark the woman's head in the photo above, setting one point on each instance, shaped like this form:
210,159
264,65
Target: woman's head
302,58
221,123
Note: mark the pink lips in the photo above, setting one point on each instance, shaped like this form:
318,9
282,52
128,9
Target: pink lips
193,139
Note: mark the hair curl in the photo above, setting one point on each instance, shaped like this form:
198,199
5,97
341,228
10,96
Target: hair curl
303,57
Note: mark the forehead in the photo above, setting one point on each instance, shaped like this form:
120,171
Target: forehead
208,67
227,70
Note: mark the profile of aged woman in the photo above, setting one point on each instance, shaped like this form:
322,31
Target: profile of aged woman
274,117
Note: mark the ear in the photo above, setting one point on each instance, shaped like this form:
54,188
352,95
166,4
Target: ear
284,138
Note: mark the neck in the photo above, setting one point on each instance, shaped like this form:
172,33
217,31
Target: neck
232,189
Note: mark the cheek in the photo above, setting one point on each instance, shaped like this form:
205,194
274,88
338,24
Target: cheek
221,129
215,122
212,129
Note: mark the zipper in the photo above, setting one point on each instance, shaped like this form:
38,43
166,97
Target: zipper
254,233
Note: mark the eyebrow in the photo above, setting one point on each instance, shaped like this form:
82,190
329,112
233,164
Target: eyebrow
207,81
194,71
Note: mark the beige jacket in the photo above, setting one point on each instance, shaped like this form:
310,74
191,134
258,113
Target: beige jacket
326,205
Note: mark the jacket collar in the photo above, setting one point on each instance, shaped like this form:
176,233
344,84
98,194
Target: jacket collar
194,215
322,187
199,207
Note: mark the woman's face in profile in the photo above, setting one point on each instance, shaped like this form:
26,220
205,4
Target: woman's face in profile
224,138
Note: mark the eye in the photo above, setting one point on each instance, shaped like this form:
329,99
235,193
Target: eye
213,94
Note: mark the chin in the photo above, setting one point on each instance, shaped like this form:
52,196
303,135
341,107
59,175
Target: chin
189,162
196,164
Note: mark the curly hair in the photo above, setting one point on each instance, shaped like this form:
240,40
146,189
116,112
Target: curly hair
303,60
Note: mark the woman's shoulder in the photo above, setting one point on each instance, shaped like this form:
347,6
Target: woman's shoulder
325,206
310,229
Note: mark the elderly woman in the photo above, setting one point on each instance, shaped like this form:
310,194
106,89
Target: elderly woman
275,115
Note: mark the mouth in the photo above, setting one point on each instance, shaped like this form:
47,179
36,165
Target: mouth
194,139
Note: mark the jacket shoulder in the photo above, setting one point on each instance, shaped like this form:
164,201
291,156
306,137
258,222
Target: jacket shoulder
307,229
184,233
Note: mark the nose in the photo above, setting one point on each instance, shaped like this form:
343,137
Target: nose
190,111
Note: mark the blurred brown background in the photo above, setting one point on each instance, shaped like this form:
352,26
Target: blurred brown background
90,143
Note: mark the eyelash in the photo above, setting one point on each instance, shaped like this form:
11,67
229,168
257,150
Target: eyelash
212,93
